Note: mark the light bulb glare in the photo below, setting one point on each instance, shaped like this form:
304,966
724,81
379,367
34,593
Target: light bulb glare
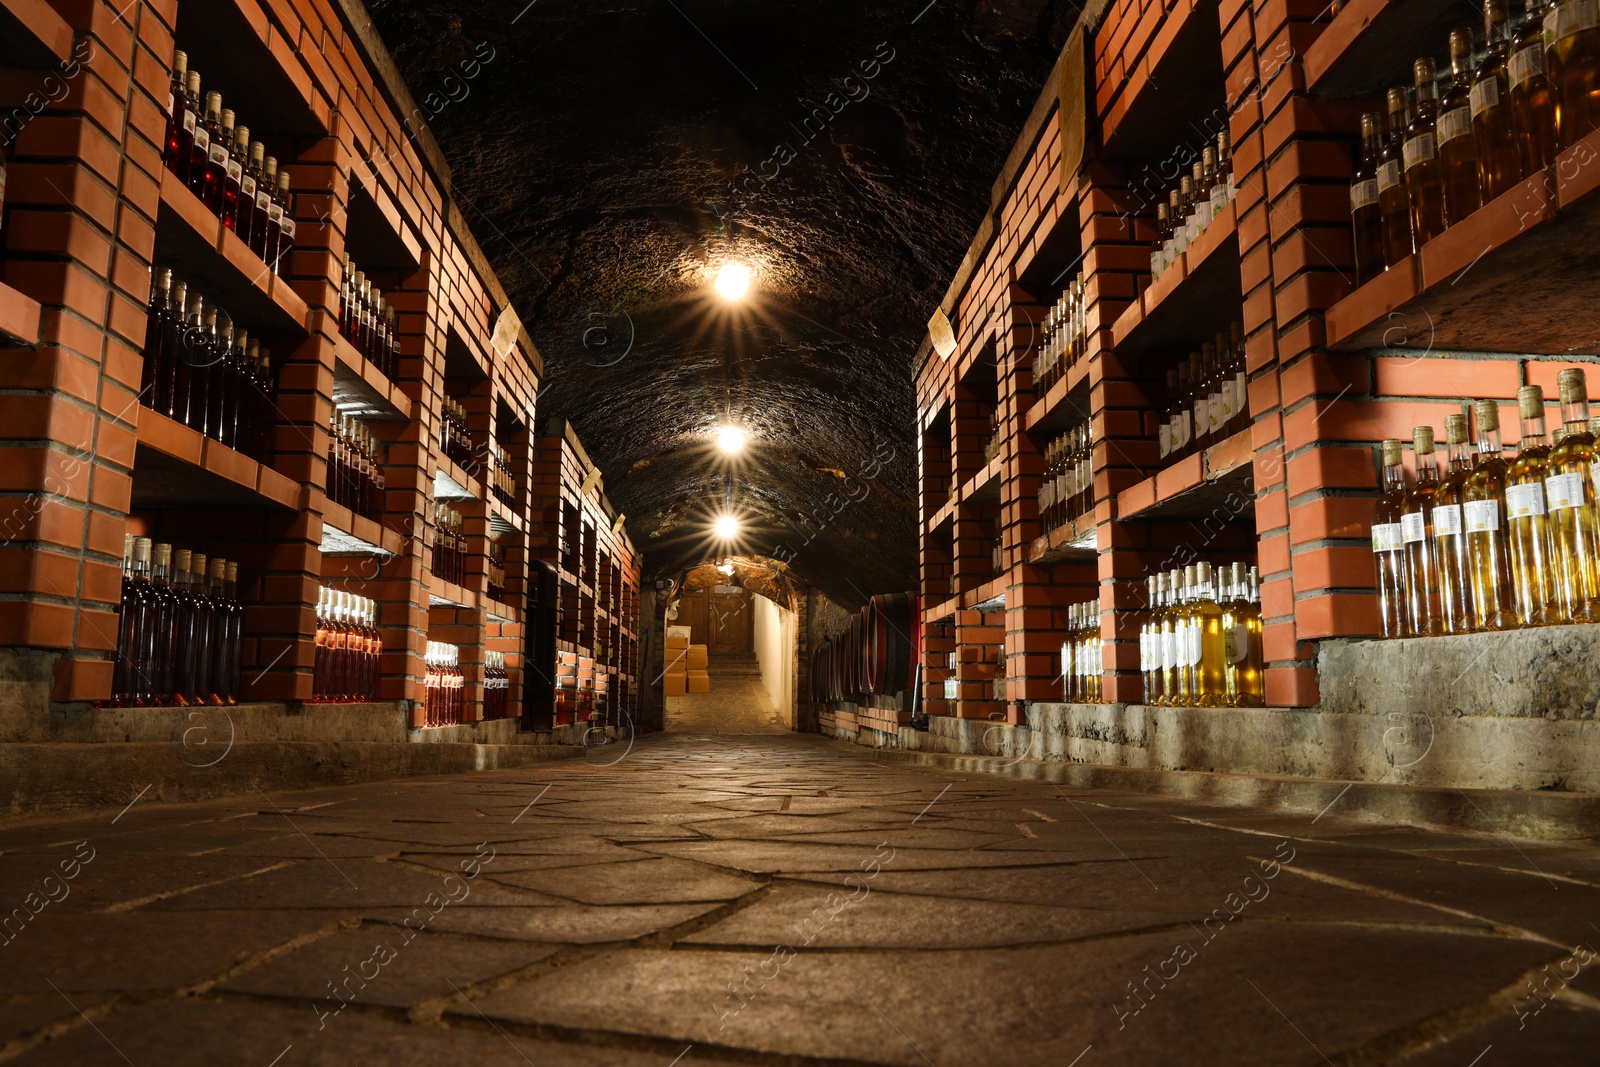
733,281
730,439
727,527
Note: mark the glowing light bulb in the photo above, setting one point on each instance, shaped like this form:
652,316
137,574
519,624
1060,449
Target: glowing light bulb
725,568
727,527
730,439
733,281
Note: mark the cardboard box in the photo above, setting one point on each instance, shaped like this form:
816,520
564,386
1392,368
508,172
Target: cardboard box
680,632
699,682
676,661
698,660
675,684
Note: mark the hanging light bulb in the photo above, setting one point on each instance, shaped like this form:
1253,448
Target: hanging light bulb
733,281
727,527
730,439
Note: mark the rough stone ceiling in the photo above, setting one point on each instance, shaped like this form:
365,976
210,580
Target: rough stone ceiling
611,154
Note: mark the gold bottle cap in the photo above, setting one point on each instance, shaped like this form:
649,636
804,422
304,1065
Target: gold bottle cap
227,118
1573,386
1186,185
1455,429
283,181
1397,101
1208,156
164,279
1424,72
258,152
1422,441
141,549
219,568
1161,211
194,83
163,555
197,305
1188,574
1371,123
1173,197
213,103
127,544
1530,402
1199,172
1391,452
180,558
180,62
269,167
1202,572
1487,413
233,571
241,134
197,565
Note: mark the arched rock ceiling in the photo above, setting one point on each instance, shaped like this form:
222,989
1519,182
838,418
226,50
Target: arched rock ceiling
612,152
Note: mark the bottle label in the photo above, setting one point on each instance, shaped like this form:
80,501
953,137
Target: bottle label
263,201
1525,64
1047,495
1219,199
235,172
1240,393
1564,491
1213,413
1447,520
218,155
1363,194
1180,430
1484,95
1569,18
1594,475
288,228
202,139
1524,501
188,120
1387,537
1457,122
247,187
1238,641
1388,176
1144,651
1414,527
1156,259
274,213
1191,645
1169,650
1418,149
1481,516
1229,404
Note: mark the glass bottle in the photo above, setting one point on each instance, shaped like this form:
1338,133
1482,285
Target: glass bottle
235,660
202,629
1449,538
1085,503
1483,517
155,374
1494,126
186,337
127,639
182,688
182,116
140,622
1388,544
272,230
1167,639
261,213
205,385
1176,209
319,663
1185,634
1527,524
1423,613
1241,378
232,173
1424,173
1533,97
1252,680
1365,217
266,411
244,208
1225,165
1570,496
1394,203
216,166
162,641
1212,641
1186,210
194,171
221,632
1147,659
1158,258
1211,387
1458,143
286,224
1198,413
1572,62
392,357
1168,432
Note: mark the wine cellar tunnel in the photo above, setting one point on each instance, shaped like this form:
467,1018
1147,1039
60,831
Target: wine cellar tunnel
682,531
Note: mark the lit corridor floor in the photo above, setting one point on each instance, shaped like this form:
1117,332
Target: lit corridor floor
782,900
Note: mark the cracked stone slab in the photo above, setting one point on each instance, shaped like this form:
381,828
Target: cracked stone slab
569,923
657,880
348,883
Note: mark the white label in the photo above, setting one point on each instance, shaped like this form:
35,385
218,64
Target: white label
1481,516
1414,527
1564,490
202,139
1363,194
274,213
1457,122
1144,651
1202,418
247,187
1180,430
235,172
1525,64
1191,645
1165,433
288,228
1524,501
188,120
1388,176
170,101
1240,391
263,201
1214,419
1594,475
1387,537
1238,642
1484,95
1418,149
1447,520
1569,18
1047,495
218,155
1230,404
1169,650
1219,199
1156,263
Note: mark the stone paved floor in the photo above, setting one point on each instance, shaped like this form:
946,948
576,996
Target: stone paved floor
767,900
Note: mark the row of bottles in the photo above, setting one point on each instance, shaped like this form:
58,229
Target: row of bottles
502,482
496,686
355,467
1066,492
1207,398
180,629
1199,198
349,649
203,371
497,571
455,440
449,545
445,686
231,174
1081,666
1492,543
1201,645
367,322
1066,338
1499,119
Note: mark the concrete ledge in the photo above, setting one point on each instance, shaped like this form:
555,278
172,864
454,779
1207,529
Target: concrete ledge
1538,815
378,723
52,779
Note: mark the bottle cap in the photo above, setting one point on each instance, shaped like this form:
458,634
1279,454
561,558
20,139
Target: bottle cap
1370,124
1199,172
1222,141
180,61
241,134
233,571
1208,156
1161,211
283,180
194,83
1422,441
1487,413
1202,572
1455,429
127,545
227,118
213,103
141,550
197,565
1460,42
1530,402
1391,452
258,152
163,555
180,559
219,567
1424,72
1573,385
197,305
269,166
1397,101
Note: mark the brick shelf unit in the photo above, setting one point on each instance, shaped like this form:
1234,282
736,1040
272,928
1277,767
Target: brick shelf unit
1493,303
91,211
596,610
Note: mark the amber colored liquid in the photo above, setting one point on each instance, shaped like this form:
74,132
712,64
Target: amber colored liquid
1394,214
1458,164
1368,223
1532,99
1574,547
1528,544
1423,614
1425,188
1210,684
1574,70
1391,568
1494,129
1450,553
1488,556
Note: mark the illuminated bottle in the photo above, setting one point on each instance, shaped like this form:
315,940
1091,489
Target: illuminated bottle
202,630
1169,638
1527,525
1449,538
1188,644
232,172
286,224
1494,124
1394,203
1148,662
1483,517
1212,641
1424,170
221,632
216,167
260,208
244,206
319,664
1365,217
1243,672
194,171
1388,544
1423,613
1572,59
1533,99
139,620
1570,496
1458,143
